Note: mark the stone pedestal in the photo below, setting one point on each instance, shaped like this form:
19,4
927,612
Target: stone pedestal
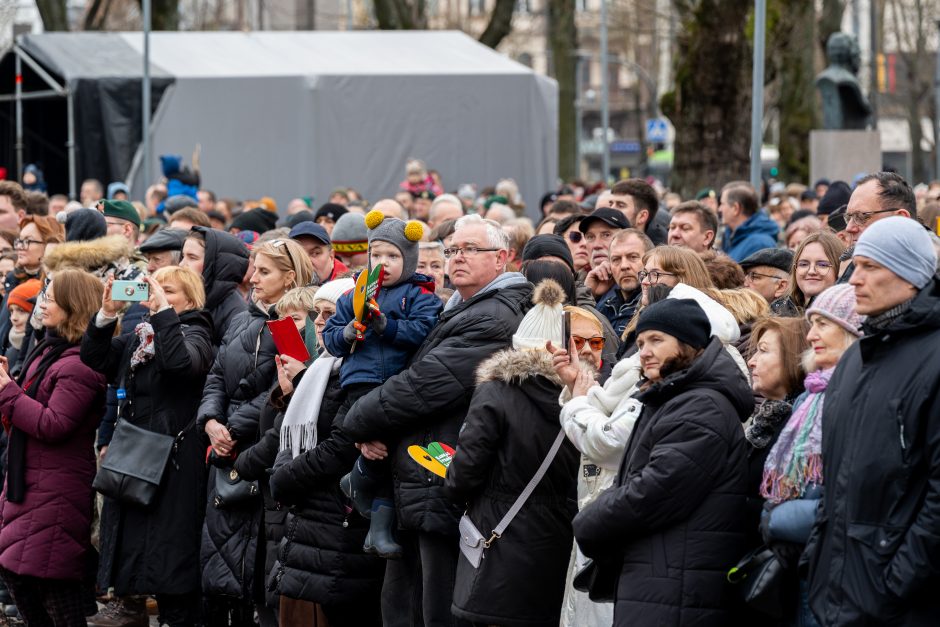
842,155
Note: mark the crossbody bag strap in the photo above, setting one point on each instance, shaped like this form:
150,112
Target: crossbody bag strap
529,489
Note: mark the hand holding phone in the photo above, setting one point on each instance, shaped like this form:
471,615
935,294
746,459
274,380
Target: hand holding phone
130,291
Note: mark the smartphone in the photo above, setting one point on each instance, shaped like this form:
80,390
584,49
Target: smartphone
134,291
566,328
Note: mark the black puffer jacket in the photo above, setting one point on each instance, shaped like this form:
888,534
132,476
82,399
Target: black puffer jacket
253,465
321,558
224,267
510,427
235,391
877,541
154,550
428,402
675,515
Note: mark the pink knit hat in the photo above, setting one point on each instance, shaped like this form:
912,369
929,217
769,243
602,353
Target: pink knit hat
837,303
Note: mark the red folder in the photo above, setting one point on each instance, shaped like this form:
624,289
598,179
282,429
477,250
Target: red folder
287,339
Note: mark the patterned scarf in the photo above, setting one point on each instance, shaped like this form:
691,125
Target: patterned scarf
145,349
795,461
764,421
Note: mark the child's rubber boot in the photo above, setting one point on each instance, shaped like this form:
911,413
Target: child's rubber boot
359,488
380,540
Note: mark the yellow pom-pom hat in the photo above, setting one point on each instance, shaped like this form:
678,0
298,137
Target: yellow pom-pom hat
402,235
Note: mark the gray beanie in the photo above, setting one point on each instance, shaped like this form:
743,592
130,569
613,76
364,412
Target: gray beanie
402,235
901,245
350,235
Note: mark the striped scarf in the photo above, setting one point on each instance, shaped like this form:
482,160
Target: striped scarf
795,461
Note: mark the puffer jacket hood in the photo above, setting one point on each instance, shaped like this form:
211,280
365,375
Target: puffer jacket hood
89,254
531,370
714,369
723,323
225,264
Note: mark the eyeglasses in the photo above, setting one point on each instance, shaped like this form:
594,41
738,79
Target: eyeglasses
575,236
752,276
596,343
654,276
26,243
864,217
822,267
468,251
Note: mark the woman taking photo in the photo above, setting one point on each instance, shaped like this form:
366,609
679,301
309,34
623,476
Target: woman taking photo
160,366
792,482
50,415
672,524
235,391
815,267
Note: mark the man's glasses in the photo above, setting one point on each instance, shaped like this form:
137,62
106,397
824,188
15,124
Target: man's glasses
596,343
575,236
864,217
468,251
822,267
753,276
654,276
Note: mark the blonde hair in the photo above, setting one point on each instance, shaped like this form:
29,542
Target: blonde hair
188,280
288,256
78,294
297,299
587,316
744,304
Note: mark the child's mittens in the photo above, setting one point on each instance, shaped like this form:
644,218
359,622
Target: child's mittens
379,322
349,333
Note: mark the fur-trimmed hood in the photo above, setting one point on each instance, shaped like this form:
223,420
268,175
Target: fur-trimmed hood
113,250
514,367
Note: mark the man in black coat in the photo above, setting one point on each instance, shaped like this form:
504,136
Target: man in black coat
428,402
875,550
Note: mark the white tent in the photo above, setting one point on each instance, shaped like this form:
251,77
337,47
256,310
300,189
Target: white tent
290,114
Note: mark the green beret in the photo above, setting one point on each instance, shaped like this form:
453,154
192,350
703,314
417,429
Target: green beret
121,209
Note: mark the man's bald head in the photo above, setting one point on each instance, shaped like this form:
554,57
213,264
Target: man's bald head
390,208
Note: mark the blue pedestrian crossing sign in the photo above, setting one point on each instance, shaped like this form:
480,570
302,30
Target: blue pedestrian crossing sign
657,131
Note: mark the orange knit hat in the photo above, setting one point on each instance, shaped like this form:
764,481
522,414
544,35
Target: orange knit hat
22,293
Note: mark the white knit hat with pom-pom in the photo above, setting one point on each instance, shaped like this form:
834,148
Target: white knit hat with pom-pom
544,320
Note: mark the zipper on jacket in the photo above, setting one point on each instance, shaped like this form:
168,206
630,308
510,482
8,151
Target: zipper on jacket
900,420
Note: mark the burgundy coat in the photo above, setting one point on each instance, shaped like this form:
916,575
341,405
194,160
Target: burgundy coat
48,534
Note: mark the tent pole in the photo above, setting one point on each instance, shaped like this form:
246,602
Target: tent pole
70,144
145,96
19,118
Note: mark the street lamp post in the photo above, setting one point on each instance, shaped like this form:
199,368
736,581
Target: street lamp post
605,96
145,95
757,91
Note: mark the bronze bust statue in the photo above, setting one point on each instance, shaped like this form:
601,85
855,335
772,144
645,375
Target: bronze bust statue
844,104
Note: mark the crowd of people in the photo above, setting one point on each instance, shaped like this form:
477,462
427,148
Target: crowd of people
636,409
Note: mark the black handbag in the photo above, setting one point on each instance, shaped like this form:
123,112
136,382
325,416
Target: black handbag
134,465
231,490
599,579
758,579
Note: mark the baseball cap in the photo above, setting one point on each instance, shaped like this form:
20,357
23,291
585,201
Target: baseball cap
610,216
310,229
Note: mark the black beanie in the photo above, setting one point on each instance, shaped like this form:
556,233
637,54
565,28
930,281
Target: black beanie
548,246
83,224
330,210
837,195
682,318
258,220
297,218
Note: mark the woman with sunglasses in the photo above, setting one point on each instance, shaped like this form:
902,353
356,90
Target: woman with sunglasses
236,390
599,421
815,268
